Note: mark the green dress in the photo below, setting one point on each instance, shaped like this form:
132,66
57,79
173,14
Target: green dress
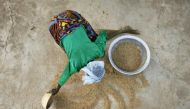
80,51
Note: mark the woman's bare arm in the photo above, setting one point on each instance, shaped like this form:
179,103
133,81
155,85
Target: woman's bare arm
113,33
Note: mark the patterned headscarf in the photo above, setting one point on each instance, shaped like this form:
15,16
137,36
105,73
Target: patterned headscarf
65,22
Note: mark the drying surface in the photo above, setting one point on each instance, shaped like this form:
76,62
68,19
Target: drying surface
29,59
115,91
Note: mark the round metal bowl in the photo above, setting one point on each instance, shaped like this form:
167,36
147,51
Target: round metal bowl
144,49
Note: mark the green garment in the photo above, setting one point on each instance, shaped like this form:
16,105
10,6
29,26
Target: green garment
80,51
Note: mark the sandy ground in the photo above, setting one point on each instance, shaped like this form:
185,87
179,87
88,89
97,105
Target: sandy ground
29,58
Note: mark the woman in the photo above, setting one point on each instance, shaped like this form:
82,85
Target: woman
82,46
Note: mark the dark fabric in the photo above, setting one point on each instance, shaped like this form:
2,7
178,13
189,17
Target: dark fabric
65,22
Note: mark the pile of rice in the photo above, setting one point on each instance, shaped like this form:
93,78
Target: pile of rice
127,56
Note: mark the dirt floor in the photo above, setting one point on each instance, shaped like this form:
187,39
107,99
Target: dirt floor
29,58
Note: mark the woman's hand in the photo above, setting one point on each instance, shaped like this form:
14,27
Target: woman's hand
54,91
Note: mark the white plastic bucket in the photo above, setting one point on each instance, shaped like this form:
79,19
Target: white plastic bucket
145,52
